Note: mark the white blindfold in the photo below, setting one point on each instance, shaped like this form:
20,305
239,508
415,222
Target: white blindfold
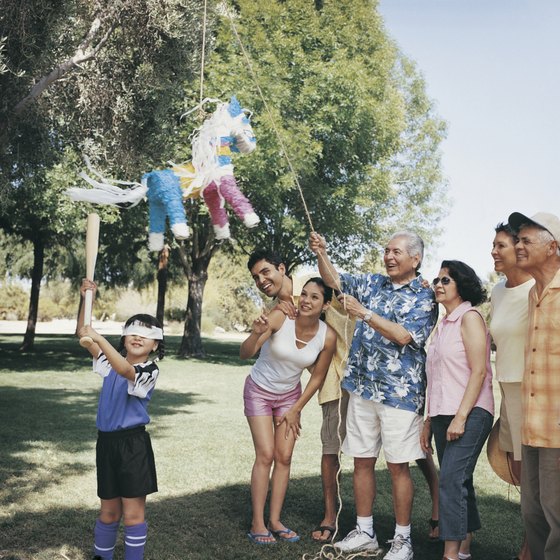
154,333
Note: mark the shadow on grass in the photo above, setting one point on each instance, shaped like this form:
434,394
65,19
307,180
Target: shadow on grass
51,352
213,525
222,352
33,420
63,353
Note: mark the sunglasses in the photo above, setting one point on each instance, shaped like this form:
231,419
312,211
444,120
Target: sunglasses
444,281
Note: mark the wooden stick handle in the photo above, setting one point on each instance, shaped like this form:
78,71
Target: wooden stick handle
92,244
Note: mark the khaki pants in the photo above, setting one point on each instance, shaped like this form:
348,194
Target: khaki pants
540,501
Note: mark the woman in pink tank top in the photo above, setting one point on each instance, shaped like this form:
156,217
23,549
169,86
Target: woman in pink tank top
460,402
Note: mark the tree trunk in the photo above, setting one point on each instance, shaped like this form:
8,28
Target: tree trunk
36,276
162,274
191,343
195,258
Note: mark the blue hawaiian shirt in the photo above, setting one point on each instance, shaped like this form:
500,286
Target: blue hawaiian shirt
381,370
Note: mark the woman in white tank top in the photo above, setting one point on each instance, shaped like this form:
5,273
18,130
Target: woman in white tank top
274,399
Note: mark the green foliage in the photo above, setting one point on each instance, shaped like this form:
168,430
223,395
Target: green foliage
349,111
229,300
338,98
120,108
13,302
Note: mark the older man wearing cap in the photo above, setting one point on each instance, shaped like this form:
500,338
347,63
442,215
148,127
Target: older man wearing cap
538,252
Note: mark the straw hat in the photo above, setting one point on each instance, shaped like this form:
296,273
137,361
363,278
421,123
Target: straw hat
498,457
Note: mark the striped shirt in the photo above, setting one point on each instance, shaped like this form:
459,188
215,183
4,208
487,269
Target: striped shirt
123,404
540,387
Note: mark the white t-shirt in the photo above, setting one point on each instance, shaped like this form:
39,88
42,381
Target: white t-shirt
508,327
280,363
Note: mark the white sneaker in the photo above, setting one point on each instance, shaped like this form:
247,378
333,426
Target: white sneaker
401,549
357,540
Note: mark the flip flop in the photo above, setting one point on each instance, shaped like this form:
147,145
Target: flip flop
324,528
254,538
280,535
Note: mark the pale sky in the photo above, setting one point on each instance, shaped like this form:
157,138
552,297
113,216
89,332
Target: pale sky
493,69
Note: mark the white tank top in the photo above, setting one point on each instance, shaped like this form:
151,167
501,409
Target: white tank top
280,364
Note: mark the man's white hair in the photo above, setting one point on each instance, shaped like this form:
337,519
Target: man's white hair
414,244
543,235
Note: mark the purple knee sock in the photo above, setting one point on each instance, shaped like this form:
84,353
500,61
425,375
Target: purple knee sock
105,535
135,537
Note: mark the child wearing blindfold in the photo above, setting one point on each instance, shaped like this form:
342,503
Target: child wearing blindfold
126,471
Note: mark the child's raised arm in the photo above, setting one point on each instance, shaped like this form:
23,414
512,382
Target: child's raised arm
118,363
85,286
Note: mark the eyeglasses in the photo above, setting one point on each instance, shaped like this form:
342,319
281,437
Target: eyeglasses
444,280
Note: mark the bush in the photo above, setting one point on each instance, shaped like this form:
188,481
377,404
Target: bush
14,303
229,301
48,310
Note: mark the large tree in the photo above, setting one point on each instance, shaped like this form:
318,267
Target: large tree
343,123
338,99
103,79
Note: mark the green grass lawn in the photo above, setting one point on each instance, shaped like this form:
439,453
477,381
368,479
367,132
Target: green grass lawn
204,455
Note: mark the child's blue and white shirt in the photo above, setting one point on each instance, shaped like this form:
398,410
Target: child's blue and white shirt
123,404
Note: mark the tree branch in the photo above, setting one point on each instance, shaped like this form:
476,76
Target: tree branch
86,51
187,269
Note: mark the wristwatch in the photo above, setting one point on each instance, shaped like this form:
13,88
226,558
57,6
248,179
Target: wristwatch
367,316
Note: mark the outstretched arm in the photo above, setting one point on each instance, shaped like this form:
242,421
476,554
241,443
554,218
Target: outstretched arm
101,344
118,362
390,330
327,271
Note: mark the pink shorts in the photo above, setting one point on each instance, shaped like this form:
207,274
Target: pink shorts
260,402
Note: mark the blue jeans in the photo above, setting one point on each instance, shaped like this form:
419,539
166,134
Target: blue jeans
458,512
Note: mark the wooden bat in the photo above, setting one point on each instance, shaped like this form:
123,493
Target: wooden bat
92,243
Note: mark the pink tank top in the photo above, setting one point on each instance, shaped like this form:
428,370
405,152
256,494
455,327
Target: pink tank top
448,370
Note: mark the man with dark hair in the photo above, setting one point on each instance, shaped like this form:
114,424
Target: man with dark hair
538,253
269,274
264,254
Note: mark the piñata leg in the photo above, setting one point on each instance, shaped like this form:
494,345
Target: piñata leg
218,214
157,224
239,203
165,196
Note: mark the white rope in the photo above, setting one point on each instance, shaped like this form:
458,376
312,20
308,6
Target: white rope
327,551
203,53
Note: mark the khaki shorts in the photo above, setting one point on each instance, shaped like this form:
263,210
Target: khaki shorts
370,425
330,439
510,419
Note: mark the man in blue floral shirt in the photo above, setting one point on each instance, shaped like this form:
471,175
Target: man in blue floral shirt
386,379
